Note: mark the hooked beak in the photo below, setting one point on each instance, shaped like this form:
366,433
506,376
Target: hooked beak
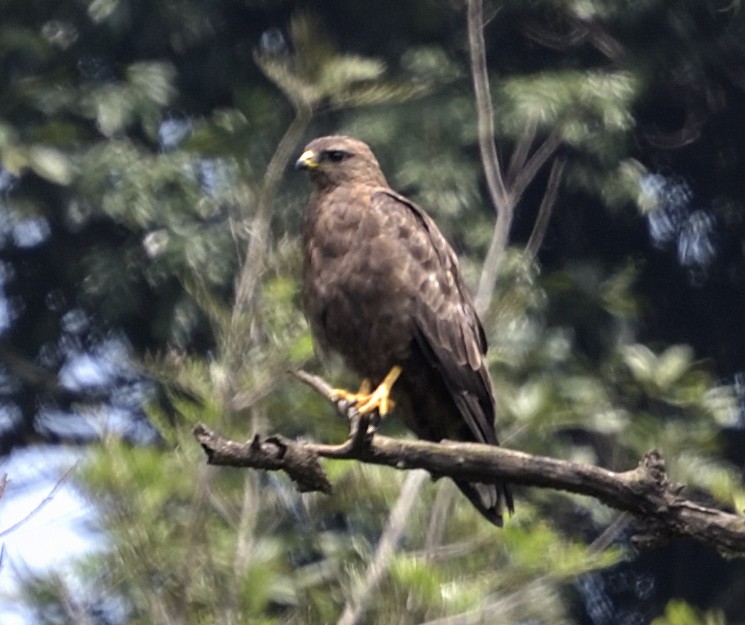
307,160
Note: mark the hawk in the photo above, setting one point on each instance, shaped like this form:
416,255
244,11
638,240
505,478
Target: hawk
383,289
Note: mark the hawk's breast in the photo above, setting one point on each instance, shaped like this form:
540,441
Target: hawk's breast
355,295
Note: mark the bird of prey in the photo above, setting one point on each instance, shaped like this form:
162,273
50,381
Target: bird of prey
383,289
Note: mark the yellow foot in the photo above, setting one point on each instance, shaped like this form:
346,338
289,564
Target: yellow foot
367,402
339,394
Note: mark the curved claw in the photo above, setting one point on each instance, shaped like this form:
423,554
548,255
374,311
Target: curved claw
379,400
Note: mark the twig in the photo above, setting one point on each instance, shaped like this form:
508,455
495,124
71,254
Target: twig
253,264
484,111
536,590
41,504
438,514
359,425
355,608
544,211
489,270
609,535
521,152
645,491
500,197
539,586
527,174
522,169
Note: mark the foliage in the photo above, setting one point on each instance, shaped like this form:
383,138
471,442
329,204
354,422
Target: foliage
680,613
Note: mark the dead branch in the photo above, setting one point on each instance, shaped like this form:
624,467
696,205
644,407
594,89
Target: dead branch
253,263
485,114
537,160
501,199
365,589
57,485
505,191
544,211
645,492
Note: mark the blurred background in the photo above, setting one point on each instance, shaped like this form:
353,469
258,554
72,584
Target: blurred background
149,278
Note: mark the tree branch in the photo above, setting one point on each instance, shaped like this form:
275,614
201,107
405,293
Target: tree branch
522,169
528,172
521,152
645,491
57,485
484,111
253,264
501,199
544,211
364,590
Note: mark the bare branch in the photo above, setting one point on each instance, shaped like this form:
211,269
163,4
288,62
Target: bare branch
545,209
572,30
645,492
355,608
522,169
521,152
599,37
501,199
438,515
272,454
58,484
489,271
484,111
253,264
539,158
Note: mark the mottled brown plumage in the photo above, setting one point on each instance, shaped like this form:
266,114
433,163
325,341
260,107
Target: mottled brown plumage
381,288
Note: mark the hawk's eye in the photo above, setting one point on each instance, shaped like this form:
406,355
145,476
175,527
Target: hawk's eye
336,156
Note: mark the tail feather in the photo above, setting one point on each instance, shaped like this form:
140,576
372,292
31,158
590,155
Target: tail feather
491,500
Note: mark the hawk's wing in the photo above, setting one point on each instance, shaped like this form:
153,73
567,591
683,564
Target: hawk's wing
447,328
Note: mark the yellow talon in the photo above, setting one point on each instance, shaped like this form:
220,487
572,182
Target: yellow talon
367,402
338,394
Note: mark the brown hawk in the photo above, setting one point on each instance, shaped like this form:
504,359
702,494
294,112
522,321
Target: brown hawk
383,289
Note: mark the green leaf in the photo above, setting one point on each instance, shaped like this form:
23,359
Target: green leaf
154,80
418,577
672,364
51,164
641,361
678,612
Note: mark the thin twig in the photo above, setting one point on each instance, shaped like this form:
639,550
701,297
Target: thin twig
490,270
546,208
539,158
439,514
501,198
519,597
521,152
497,609
316,382
363,593
609,535
484,111
253,264
41,504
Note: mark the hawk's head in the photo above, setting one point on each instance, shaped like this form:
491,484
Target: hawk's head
337,160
